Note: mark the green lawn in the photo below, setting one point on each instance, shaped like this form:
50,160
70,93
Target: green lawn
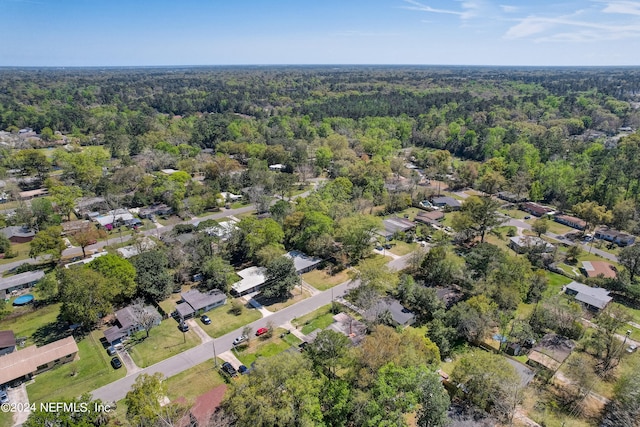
20,251
402,248
514,213
556,227
296,296
263,348
556,282
93,370
194,381
164,341
223,322
42,322
301,321
322,280
6,419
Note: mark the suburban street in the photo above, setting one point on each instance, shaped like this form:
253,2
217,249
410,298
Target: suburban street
174,365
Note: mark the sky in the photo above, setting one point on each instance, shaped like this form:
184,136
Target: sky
265,32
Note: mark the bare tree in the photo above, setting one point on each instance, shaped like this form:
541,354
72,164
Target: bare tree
259,197
144,317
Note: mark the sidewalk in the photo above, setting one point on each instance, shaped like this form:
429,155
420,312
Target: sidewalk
287,325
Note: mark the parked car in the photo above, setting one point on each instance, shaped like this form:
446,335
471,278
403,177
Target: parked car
205,319
261,331
183,327
240,339
4,397
527,217
632,348
111,350
243,369
303,345
229,369
116,363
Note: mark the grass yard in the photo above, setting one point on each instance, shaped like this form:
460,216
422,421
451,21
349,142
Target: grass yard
39,322
514,213
223,321
556,282
301,321
379,259
20,252
6,419
556,227
164,341
296,296
193,382
263,348
323,280
169,305
402,248
92,371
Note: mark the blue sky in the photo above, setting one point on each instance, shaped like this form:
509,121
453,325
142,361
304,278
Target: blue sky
217,32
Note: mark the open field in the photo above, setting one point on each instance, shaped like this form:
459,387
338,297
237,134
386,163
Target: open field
322,280
193,382
259,347
37,325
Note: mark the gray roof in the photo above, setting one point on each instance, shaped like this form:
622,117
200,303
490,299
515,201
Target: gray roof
399,314
302,261
185,310
396,224
21,279
449,201
531,242
596,297
17,231
198,300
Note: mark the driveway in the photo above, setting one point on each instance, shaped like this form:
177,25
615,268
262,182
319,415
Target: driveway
19,395
128,362
174,365
195,327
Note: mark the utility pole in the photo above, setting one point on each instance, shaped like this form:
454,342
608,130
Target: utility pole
215,357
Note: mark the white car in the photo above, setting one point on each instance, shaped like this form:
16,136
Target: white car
632,348
240,339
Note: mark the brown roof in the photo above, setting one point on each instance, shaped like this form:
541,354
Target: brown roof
434,215
26,361
205,405
7,339
596,268
567,218
544,360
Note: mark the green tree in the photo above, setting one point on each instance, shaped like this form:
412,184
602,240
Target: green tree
540,226
65,196
629,258
33,162
216,274
295,402
355,234
485,378
86,296
144,403
592,213
281,278
477,216
151,275
624,409
120,272
47,242
87,235
329,351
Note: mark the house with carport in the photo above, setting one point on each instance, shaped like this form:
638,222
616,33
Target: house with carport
194,302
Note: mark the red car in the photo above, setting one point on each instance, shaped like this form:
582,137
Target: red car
261,331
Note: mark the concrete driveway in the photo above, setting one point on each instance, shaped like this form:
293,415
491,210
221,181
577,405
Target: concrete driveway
19,396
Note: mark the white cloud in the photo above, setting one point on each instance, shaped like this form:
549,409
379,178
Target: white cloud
424,8
622,7
508,8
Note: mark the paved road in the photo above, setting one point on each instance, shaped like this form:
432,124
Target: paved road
118,389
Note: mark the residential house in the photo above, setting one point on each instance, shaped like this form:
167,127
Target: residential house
446,203
429,217
87,205
618,237
18,234
222,230
230,197
550,352
168,171
599,269
86,260
303,262
594,299
278,167
571,221
114,218
195,302
511,197
252,280
23,364
145,244
536,209
7,342
71,227
400,316
127,323
32,194
523,244
155,210
12,284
